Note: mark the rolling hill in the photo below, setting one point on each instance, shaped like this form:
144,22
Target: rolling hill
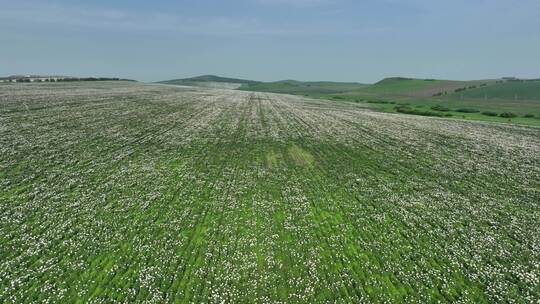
303,87
389,86
420,87
210,81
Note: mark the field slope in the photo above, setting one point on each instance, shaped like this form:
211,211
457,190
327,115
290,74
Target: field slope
124,192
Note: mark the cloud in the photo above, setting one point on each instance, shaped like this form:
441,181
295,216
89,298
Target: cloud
40,15
31,15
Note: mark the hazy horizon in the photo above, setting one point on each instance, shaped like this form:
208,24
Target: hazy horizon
268,40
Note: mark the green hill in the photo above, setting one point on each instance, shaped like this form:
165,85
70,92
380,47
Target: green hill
419,87
511,90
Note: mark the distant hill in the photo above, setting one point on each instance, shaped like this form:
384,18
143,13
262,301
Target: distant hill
303,87
210,81
394,86
213,78
283,86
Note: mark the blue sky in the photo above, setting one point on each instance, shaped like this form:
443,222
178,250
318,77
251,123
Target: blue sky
342,40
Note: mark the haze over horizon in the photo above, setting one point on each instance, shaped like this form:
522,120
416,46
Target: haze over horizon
338,40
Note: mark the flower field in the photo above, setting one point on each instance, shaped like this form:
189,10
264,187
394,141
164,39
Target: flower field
126,192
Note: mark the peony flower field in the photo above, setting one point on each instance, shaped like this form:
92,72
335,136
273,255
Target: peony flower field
122,192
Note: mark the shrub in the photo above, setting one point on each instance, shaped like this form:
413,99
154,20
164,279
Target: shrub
409,110
467,110
441,108
381,102
489,113
529,115
508,115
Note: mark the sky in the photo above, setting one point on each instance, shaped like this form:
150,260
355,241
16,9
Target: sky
267,40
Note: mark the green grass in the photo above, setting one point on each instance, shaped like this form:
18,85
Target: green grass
456,107
124,192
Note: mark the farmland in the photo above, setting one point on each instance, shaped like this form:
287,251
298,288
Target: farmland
126,192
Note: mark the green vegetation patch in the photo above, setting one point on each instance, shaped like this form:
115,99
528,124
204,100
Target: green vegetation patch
271,159
300,156
408,110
